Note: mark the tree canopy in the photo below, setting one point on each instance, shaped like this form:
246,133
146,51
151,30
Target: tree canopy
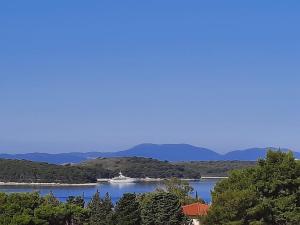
162,208
263,195
127,210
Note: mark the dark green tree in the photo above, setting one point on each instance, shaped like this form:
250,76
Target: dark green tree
52,215
95,207
162,208
50,199
127,211
76,200
268,194
101,210
180,188
108,209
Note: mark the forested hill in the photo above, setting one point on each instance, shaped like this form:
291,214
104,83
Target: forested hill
139,167
35,172
88,171
26,172
145,167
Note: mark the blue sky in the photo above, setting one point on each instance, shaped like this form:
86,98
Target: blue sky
106,75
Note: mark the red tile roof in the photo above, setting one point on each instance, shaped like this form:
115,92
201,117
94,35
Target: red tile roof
195,209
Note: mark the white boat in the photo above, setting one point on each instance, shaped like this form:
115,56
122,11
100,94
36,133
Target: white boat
122,179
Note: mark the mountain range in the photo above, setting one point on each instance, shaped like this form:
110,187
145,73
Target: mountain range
169,152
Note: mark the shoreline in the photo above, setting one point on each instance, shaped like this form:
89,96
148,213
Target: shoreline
44,184
100,180
214,177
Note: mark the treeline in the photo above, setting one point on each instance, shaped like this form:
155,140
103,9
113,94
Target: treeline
268,193
89,171
157,208
27,171
139,167
216,168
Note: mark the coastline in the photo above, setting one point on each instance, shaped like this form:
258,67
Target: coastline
44,184
214,177
100,180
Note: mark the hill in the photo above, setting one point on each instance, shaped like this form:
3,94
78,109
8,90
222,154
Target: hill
252,154
170,152
145,167
35,172
140,168
24,171
216,168
60,158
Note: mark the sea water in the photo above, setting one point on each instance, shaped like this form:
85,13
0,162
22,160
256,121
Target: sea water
202,187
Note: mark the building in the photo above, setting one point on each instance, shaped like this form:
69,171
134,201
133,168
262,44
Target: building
195,210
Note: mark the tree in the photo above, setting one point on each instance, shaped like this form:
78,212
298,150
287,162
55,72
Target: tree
162,208
50,199
181,189
127,210
101,210
95,207
266,194
52,215
77,215
76,200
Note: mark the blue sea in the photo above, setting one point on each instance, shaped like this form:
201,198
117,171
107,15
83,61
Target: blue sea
116,191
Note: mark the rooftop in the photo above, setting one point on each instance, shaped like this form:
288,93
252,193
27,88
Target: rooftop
195,209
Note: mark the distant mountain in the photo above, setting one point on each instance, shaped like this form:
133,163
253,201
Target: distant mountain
61,158
169,152
252,154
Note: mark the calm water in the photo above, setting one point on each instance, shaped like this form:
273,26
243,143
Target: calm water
203,188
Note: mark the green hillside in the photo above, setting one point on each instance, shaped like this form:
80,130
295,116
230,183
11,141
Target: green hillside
27,171
89,171
140,168
216,168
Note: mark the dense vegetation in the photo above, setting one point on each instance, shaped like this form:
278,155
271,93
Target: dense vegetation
140,168
216,168
27,171
266,194
89,171
157,208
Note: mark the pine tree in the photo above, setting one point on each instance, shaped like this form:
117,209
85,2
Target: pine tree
162,208
95,207
101,210
108,209
78,201
128,210
50,199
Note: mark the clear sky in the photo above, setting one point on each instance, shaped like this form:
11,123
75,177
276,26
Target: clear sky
106,75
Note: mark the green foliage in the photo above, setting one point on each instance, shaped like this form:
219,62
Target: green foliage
158,208
139,167
266,194
89,171
161,208
215,168
27,171
76,200
50,199
31,209
127,210
181,189
101,210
